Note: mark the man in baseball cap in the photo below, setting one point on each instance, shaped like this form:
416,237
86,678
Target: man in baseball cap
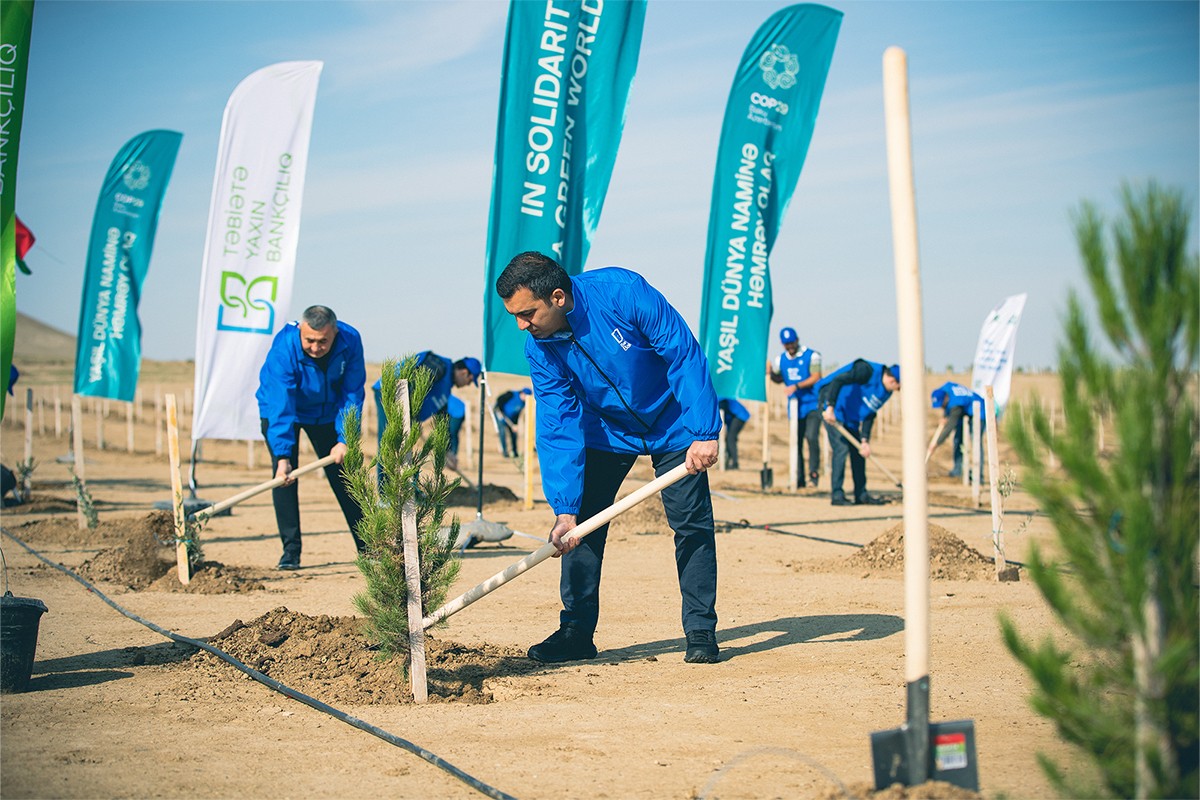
799,368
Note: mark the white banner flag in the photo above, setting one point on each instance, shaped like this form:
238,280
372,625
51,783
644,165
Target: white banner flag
994,353
250,250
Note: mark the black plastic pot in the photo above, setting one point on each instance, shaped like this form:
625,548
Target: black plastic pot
19,620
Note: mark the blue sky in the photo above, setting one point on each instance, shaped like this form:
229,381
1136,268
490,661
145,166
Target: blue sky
1020,110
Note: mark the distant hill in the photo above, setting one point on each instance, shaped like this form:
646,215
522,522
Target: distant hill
38,342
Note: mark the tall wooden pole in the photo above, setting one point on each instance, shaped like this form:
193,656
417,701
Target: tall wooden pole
912,412
976,453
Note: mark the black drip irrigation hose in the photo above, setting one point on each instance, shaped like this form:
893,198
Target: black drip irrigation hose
283,689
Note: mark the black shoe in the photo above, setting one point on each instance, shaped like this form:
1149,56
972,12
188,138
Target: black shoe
812,479
839,500
701,648
870,500
568,643
288,563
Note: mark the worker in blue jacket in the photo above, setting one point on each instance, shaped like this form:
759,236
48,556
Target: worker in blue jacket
445,376
507,413
734,416
956,402
851,397
799,368
313,374
617,374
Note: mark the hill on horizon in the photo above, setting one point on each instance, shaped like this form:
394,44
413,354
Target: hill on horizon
38,342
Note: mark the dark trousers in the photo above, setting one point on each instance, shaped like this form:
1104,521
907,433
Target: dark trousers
733,427
810,432
840,449
287,498
689,513
508,435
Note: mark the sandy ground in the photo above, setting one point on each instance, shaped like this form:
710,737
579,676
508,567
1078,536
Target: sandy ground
813,649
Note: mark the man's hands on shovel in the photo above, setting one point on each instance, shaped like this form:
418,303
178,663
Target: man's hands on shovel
700,456
283,470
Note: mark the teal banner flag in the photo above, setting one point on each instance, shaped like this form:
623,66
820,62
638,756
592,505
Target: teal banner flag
567,71
16,21
769,123
109,349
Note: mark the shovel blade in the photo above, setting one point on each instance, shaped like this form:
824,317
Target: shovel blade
951,756
766,477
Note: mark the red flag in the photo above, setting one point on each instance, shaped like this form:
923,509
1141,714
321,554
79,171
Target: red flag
25,240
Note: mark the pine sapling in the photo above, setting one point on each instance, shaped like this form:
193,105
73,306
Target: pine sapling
409,469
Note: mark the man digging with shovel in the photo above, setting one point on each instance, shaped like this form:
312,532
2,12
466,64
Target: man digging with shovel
617,374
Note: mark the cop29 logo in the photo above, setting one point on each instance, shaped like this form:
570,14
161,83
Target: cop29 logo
137,176
779,67
247,307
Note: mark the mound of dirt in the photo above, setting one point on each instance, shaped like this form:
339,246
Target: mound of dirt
136,564
930,790
65,531
469,496
211,577
950,558
329,658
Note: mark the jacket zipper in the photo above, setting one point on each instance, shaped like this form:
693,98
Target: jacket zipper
612,385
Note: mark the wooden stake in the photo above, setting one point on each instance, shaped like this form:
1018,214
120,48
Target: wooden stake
912,362
139,405
249,454
57,414
528,420
77,437
412,571
976,453
766,427
183,566
793,418
41,404
27,480
989,398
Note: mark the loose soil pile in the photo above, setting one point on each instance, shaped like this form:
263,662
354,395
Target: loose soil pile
329,658
65,531
211,577
469,496
950,558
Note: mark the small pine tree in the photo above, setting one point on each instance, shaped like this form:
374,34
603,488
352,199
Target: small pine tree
1124,580
410,470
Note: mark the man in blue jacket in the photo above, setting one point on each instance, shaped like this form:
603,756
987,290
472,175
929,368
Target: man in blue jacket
617,374
507,413
445,376
800,368
852,396
314,373
956,402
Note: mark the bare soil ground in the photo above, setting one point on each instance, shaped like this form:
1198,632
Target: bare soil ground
811,604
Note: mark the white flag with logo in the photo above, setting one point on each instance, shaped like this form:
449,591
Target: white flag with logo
994,353
250,250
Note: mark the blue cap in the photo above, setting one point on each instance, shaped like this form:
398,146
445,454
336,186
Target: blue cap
894,369
474,367
788,335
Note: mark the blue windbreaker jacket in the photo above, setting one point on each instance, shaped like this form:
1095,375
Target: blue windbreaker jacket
292,389
855,391
438,397
628,377
950,395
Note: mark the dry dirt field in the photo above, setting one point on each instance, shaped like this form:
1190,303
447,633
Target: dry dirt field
811,604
